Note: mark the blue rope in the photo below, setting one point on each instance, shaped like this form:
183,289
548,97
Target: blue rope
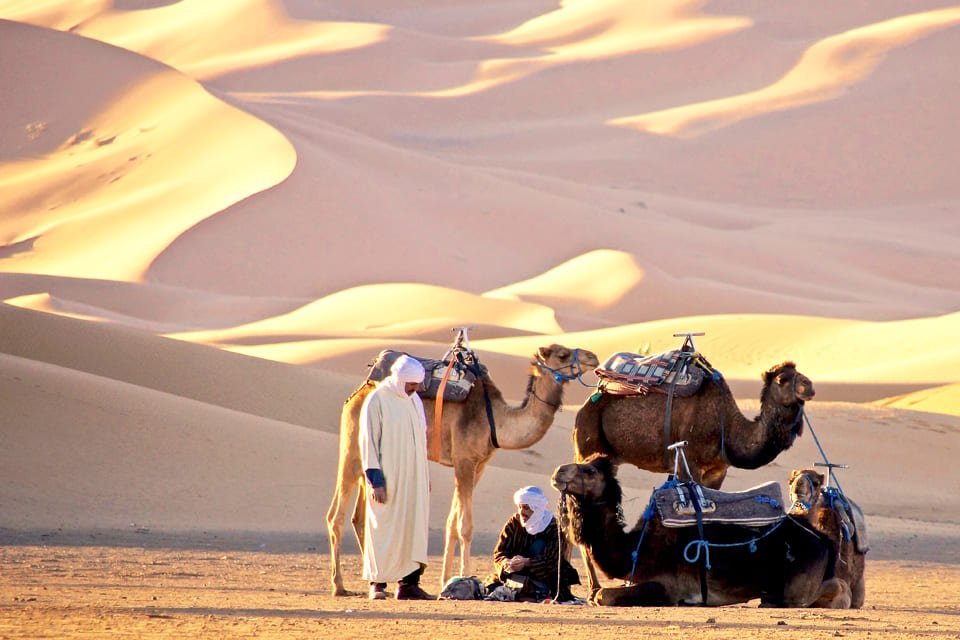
647,515
823,455
703,546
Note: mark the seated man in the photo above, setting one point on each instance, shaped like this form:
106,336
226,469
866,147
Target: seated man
525,558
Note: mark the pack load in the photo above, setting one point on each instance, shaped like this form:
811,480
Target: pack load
755,507
464,372
628,373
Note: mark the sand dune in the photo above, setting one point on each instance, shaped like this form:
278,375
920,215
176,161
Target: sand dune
822,73
215,214
160,143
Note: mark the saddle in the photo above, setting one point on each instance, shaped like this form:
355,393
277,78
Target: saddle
459,383
754,507
628,373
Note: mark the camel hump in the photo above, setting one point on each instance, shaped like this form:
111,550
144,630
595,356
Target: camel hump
626,373
755,507
462,377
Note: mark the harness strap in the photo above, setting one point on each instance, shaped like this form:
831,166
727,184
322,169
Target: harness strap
667,414
433,441
490,420
695,499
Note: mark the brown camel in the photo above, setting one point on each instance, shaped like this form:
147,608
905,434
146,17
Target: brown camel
823,508
465,445
788,562
630,428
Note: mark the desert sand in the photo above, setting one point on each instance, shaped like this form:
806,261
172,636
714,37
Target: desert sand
215,214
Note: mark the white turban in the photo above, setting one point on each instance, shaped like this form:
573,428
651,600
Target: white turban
405,369
533,497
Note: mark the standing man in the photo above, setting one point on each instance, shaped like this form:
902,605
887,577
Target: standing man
393,451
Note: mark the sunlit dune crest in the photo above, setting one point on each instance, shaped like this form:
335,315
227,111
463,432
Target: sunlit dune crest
586,30
943,399
158,159
827,349
824,72
55,14
206,39
391,309
598,279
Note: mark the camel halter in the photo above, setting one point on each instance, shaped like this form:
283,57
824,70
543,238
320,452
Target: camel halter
576,369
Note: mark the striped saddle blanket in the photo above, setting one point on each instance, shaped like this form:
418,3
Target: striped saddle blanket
759,506
459,382
627,373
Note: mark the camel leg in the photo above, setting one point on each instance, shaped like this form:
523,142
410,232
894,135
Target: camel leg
465,525
834,594
460,520
335,517
593,581
359,519
450,538
857,593
713,477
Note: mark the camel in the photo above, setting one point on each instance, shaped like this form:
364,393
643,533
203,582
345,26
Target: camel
790,561
465,445
819,505
630,428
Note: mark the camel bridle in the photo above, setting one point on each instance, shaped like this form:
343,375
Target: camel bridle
558,374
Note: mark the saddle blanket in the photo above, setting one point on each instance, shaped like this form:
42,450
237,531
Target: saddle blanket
754,507
851,517
628,373
459,382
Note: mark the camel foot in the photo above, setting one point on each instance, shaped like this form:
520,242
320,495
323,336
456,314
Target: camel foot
340,592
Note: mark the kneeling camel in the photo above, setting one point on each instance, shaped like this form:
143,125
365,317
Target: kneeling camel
785,568
824,509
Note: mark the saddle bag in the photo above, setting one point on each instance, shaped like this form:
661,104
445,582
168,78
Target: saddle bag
459,382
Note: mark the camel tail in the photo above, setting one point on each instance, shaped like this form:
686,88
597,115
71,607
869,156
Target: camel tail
588,437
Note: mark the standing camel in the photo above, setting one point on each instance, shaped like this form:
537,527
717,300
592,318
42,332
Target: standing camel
466,446
630,428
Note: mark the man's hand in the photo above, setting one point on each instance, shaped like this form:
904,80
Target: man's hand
380,494
516,563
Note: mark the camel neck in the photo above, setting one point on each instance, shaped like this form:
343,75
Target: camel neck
521,427
601,530
754,443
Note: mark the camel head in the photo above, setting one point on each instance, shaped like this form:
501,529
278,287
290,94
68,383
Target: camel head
786,386
587,480
584,486
562,363
805,486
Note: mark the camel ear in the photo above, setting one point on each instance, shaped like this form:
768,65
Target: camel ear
821,479
544,352
793,475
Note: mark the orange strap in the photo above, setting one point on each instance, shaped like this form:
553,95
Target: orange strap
433,439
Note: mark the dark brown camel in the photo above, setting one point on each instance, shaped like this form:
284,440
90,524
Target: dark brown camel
630,428
786,569
811,500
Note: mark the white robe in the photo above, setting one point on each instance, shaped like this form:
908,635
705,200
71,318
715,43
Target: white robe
393,438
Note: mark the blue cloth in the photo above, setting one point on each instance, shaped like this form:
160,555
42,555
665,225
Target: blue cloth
375,478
